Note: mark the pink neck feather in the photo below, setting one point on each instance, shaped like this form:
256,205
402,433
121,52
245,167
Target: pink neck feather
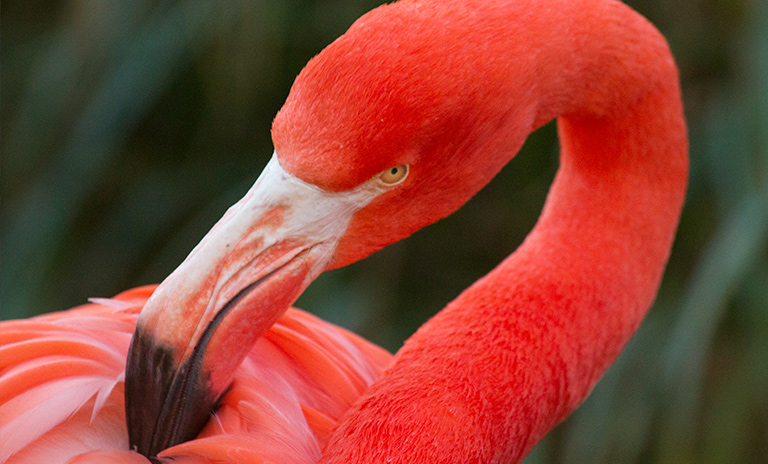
515,353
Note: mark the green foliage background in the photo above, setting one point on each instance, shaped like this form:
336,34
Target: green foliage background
129,127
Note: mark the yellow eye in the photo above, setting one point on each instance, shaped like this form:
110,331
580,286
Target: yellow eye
394,175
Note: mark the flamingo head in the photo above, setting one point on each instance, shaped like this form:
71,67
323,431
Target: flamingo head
387,130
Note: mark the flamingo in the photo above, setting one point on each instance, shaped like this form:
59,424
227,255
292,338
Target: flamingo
393,126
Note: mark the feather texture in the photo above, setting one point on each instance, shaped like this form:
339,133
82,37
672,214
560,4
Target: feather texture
61,389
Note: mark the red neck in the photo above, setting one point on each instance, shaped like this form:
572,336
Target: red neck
515,353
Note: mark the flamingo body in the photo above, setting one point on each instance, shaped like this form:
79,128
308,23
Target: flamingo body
392,127
61,389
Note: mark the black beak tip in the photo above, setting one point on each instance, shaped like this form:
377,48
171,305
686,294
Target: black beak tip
165,403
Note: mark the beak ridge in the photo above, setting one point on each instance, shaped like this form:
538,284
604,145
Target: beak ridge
201,321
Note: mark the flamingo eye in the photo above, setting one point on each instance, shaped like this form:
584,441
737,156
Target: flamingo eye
394,175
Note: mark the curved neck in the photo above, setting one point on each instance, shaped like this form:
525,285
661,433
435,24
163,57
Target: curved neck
557,312
521,348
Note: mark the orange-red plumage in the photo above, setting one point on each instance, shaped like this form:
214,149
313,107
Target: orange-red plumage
61,380
449,89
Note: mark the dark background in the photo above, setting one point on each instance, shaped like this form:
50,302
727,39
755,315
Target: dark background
129,127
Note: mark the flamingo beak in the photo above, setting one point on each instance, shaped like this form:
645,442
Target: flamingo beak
202,320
